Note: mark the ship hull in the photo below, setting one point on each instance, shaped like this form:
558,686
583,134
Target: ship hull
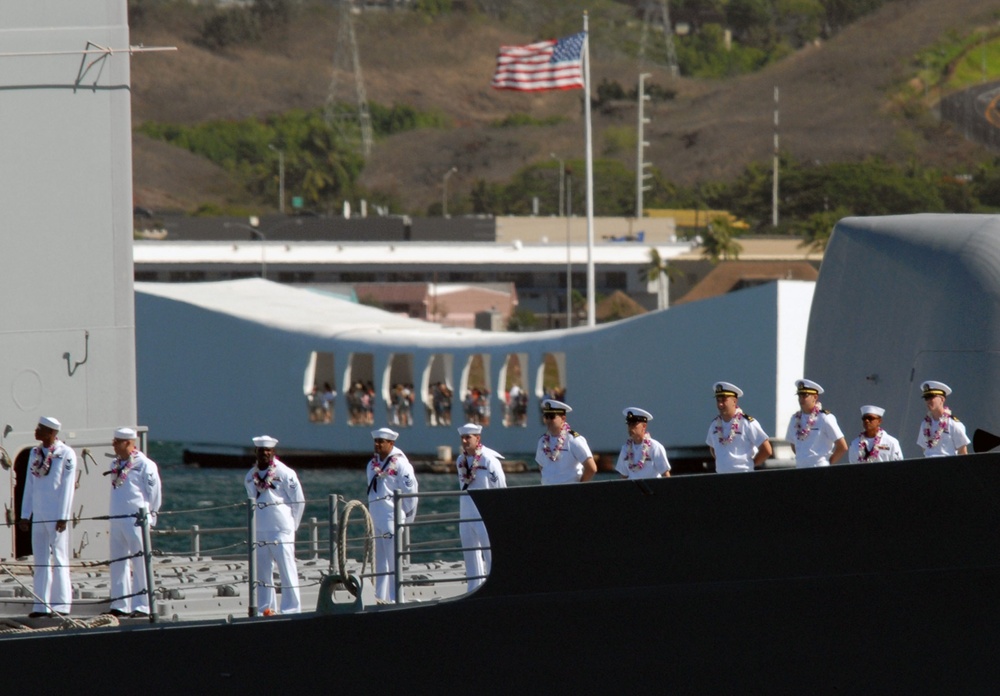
872,578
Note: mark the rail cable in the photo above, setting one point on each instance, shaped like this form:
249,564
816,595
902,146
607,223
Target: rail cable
167,513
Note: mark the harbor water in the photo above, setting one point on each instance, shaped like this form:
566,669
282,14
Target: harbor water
216,499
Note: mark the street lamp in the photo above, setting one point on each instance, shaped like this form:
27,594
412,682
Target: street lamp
255,232
444,194
281,177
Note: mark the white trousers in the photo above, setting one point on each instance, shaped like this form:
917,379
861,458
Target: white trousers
51,551
277,548
127,576
478,559
385,566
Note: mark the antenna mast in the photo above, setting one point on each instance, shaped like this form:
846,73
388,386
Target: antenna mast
658,12
346,41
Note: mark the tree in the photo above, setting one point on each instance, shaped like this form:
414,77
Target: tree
819,227
522,320
720,240
661,272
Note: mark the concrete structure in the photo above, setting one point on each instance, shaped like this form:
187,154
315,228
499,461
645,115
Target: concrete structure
253,349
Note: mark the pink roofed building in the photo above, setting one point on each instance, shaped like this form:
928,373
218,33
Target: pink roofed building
449,304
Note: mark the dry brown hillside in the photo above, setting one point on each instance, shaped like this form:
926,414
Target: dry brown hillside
833,101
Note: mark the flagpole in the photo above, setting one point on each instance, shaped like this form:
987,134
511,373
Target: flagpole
590,173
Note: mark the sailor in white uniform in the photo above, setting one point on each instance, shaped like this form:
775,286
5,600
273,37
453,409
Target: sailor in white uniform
562,454
873,444
478,467
813,432
280,504
388,472
737,440
641,456
135,481
46,507
941,433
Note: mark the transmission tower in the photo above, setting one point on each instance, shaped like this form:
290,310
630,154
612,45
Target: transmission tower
658,14
346,60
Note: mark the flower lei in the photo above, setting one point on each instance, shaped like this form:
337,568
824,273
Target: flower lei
388,469
734,427
647,444
865,454
553,452
41,465
803,432
933,439
120,469
467,472
264,480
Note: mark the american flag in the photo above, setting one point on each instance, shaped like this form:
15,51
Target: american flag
542,66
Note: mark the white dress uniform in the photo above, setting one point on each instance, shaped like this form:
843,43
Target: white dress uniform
942,438
561,458
386,477
48,497
813,442
881,448
645,460
734,451
280,505
476,473
134,482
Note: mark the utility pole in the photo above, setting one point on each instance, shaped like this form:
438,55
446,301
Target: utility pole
444,191
346,41
774,187
641,175
281,178
562,183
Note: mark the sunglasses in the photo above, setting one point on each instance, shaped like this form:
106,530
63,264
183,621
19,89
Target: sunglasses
550,416
869,418
379,440
633,421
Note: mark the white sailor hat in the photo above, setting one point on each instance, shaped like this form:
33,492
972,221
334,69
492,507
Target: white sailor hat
264,442
872,411
553,406
470,429
385,434
125,434
727,389
807,386
935,389
633,413
50,422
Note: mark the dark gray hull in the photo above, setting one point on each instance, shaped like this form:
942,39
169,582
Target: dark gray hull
852,579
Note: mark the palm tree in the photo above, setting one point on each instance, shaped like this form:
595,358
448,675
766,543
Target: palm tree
819,226
720,240
662,272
